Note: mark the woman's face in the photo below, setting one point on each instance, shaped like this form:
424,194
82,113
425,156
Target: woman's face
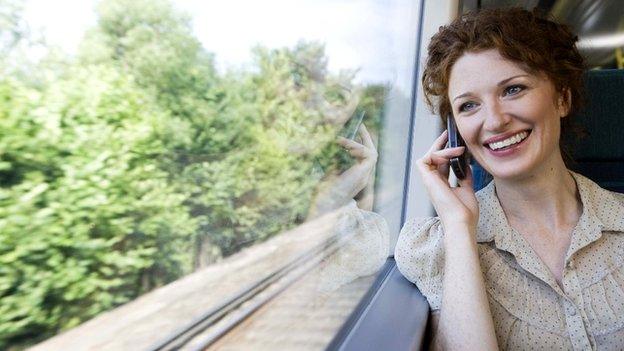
508,117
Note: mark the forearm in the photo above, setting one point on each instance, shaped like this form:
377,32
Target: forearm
335,192
465,319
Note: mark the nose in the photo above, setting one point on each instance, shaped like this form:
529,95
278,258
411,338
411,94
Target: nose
496,118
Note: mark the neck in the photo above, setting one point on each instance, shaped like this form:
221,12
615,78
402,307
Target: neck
547,198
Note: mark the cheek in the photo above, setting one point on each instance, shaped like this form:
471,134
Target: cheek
537,109
554,131
550,120
469,131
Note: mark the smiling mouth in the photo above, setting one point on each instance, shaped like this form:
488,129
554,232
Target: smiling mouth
509,142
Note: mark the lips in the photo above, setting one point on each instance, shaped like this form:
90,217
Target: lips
511,148
506,140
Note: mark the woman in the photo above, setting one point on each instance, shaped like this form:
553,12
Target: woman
535,259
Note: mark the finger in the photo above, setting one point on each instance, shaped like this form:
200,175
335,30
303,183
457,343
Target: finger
442,158
348,143
438,189
426,161
432,174
445,155
440,142
444,170
362,153
434,167
367,140
357,152
439,167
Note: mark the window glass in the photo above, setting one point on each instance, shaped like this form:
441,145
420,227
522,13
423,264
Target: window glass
179,165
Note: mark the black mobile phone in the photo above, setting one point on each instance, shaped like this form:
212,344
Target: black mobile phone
459,165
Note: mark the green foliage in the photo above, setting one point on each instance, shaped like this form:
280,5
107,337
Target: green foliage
274,126
84,215
153,42
137,163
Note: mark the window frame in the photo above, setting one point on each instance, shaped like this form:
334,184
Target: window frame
393,314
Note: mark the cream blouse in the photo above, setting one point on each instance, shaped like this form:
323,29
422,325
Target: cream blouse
529,309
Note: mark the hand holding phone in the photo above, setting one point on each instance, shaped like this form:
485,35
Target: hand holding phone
459,164
455,205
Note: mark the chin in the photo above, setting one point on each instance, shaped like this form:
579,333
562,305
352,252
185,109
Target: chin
515,169
510,174
509,169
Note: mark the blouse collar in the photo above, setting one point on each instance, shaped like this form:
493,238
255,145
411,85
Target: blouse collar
601,207
602,211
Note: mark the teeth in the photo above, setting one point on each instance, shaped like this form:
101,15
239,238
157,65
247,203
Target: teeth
509,141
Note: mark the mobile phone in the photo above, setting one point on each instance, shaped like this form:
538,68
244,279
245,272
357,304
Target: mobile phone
353,125
459,165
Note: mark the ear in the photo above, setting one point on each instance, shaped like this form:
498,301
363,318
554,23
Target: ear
564,102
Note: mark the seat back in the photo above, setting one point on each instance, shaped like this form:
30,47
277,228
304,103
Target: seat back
600,155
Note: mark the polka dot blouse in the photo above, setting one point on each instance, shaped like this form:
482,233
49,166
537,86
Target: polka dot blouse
530,310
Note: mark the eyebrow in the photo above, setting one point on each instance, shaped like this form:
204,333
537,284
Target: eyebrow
502,82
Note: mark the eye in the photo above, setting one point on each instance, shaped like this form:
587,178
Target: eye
514,89
467,106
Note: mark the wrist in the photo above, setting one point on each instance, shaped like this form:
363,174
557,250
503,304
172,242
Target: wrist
463,227
459,233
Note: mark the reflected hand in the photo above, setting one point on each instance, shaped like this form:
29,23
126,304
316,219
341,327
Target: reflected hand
337,191
357,177
455,206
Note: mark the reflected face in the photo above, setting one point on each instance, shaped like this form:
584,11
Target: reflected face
508,117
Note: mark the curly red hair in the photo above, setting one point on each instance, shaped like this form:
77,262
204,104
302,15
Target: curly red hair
528,38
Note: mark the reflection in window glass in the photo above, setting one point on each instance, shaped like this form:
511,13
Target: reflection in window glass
216,160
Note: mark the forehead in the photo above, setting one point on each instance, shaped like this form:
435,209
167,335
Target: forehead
475,71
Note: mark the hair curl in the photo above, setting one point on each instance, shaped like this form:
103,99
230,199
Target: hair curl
529,38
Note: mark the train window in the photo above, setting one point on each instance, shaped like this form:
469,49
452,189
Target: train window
190,174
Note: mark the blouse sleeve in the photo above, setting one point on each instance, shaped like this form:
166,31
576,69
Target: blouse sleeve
364,247
419,255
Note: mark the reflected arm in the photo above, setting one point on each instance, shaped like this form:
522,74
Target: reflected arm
337,191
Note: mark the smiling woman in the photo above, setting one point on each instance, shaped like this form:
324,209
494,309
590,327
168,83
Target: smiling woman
532,261
152,197
502,120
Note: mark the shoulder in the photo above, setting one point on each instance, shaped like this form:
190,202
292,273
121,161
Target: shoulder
419,256
619,197
420,240
606,205
611,212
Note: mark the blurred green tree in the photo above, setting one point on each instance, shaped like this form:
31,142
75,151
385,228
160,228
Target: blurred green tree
136,162
87,221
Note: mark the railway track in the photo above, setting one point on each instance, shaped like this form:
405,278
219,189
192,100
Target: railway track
205,330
